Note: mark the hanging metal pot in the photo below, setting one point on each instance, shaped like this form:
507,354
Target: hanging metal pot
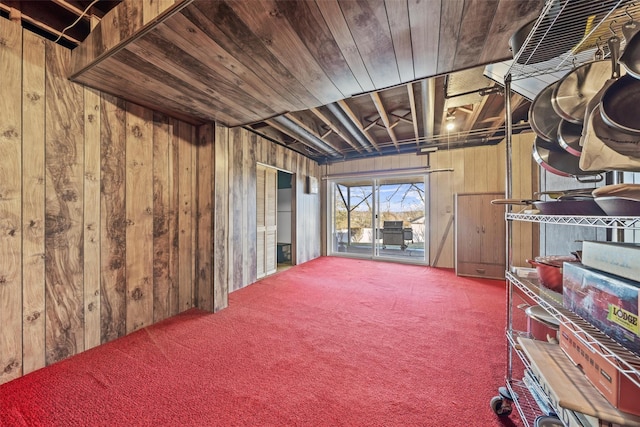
554,159
619,105
542,117
631,56
627,144
574,91
569,135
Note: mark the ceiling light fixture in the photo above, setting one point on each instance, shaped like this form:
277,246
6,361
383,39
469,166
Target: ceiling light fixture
450,121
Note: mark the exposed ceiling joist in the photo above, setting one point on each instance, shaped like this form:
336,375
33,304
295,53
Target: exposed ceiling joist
335,129
385,119
414,114
311,131
354,119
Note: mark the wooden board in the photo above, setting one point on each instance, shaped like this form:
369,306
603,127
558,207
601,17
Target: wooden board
220,219
470,42
173,300
204,278
33,172
161,212
10,201
424,38
139,217
236,209
91,218
113,220
64,209
185,217
339,28
368,24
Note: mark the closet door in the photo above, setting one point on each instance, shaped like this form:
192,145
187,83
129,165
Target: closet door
266,216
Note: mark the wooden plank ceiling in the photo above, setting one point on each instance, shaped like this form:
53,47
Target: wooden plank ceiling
332,79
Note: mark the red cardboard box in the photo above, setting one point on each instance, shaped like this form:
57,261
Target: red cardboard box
608,302
614,386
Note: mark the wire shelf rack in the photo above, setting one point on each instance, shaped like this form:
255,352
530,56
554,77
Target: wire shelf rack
625,362
628,222
568,32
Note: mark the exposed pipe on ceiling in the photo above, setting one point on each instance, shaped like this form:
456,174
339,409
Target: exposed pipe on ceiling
307,137
428,102
348,124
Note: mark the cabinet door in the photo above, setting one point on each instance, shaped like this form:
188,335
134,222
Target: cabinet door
467,229
480,241
492,232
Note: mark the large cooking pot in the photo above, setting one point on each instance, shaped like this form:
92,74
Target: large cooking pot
574,91
542,117
554,159
619,105
631,56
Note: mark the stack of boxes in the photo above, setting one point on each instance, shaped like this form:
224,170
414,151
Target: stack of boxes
604,290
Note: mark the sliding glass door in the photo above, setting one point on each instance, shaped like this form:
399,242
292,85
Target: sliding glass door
352,217
379,218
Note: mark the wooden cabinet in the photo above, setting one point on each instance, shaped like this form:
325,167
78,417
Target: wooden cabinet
480,236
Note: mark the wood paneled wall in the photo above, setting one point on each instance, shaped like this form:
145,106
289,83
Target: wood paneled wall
234,154
97,210
475,170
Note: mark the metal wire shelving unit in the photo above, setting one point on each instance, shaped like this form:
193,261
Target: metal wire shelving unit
565,35
574,27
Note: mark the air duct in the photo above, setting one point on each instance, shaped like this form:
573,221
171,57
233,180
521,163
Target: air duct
307,137
348,124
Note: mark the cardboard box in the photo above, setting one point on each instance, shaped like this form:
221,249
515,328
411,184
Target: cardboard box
608,302
621,259
619,390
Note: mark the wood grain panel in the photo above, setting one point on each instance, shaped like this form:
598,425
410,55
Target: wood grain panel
113,220
280,39
64,209
91,222
367,21
424,38
33,179
450,19
249,223
339,28
476,14
398,15
139,214
309,25
237,208
232,34
171,87
161,212
204,279
194,36
220,218
10,201
174,63
119,24
186,186
503,26
173,302
261,221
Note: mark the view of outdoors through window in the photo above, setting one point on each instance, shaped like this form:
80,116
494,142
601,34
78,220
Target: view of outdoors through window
400,216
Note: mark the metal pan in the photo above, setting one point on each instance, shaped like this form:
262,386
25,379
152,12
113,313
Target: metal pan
631,56
542,117
625,143
559,162
619,105
569,135
574,91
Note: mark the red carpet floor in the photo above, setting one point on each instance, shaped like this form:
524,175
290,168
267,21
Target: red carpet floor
332,342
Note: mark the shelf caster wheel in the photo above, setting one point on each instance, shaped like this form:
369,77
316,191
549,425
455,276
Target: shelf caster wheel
501,406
